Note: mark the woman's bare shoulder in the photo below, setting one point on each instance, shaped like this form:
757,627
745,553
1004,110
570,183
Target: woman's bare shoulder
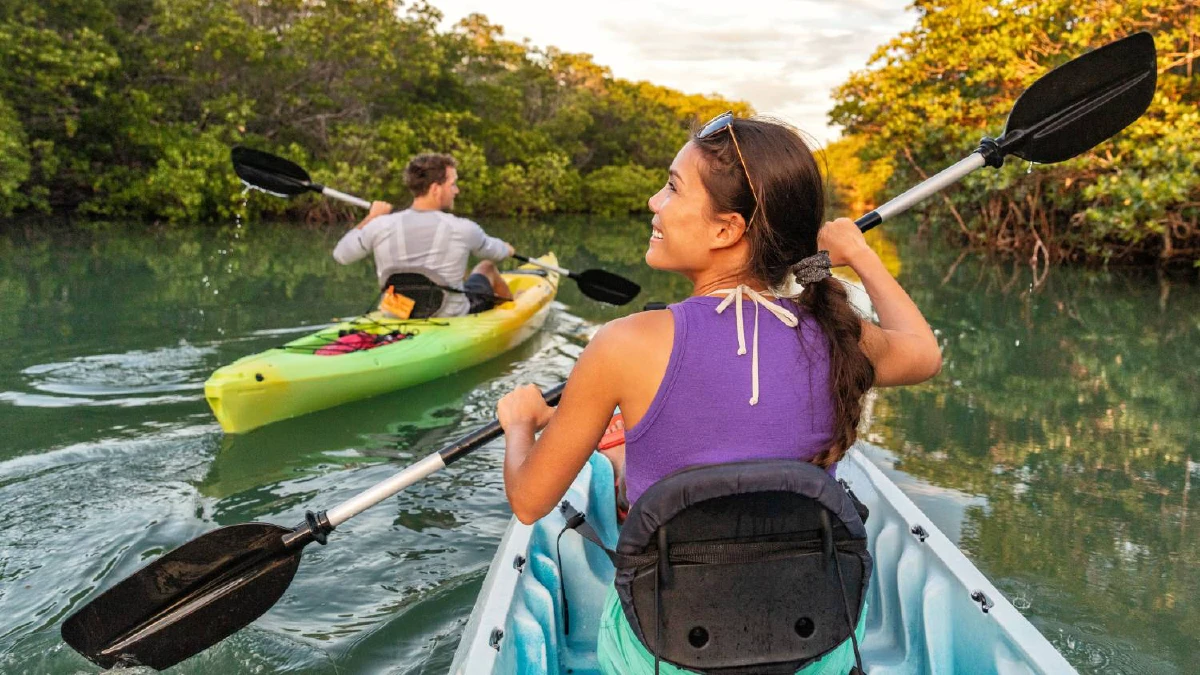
640,327
638,331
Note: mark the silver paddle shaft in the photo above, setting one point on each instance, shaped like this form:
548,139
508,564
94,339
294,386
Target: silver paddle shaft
384,489
546,266
350,199
429,465
925,189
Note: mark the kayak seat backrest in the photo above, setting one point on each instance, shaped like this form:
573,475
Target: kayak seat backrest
749,567
423,287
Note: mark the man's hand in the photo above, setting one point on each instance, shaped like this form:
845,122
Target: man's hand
377,209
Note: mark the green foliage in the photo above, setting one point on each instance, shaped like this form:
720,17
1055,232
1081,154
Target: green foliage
127,108
929,95
14,159
852,184
618,190
536,188
197,163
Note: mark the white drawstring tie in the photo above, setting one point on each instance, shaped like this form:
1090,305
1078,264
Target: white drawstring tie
734,296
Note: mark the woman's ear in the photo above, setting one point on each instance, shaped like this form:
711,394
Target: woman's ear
728,230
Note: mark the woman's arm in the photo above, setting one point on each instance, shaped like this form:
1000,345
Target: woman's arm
902,348
538,473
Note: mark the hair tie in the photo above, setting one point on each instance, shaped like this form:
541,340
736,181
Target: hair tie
812,269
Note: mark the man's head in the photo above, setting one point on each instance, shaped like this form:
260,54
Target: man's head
433,179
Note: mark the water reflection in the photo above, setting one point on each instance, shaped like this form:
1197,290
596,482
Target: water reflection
1070,412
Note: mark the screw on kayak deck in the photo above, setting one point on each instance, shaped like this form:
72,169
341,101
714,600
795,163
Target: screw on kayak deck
495,638
985,603
921,532
519,563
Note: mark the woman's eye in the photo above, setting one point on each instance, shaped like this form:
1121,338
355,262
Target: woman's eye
671,186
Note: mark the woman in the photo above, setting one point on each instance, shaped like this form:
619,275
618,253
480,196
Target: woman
743,205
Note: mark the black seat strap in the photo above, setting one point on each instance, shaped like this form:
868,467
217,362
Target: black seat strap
575,521
448,289
827,545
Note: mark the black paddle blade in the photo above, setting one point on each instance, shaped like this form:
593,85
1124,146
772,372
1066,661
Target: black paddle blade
270,173
187,600
606,286
1083,102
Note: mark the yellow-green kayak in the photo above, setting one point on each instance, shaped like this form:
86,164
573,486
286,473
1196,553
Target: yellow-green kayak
294,380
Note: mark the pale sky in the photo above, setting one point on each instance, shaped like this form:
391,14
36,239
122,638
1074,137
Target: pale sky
782,56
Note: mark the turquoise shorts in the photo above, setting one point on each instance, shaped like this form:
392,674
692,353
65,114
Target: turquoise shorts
620,652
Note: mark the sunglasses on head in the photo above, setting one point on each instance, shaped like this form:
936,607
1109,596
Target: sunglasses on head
720,123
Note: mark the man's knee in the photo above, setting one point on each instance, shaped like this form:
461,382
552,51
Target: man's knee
487,268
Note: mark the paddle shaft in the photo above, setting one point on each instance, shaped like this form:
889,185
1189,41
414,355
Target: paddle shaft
546,266
923,190
338,194
429,465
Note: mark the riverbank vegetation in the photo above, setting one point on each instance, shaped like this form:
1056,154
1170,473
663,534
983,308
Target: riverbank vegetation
128,108
928,96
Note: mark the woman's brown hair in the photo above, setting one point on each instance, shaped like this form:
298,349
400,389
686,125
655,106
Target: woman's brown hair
782,232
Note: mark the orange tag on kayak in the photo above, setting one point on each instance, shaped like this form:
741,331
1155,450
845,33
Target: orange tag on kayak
397,304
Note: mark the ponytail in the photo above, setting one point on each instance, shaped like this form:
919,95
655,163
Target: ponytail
850,371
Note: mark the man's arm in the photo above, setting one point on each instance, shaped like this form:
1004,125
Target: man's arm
485,246
353,246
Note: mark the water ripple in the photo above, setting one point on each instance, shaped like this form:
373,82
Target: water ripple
130,379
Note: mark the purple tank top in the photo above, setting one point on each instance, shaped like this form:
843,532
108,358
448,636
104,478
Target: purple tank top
701,413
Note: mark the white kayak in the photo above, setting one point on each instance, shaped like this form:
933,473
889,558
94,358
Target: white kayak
929,609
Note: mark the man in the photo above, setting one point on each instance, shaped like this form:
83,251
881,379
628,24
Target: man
426,238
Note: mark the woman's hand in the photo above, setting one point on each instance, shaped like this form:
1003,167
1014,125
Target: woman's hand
844,242
524,407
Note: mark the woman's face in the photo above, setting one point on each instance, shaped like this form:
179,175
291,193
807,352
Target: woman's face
681,230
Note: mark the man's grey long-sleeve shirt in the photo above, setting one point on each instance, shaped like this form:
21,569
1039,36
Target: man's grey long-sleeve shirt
433,240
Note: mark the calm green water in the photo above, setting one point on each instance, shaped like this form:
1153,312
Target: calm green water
1057,446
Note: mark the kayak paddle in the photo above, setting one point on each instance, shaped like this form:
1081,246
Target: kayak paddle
209,588
282,178
1066,112
596,284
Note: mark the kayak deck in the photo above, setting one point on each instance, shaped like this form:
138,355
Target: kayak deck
925,600
291,380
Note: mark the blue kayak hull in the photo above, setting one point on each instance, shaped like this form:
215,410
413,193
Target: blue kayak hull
926,600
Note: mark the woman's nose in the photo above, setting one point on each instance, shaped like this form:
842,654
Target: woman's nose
655,201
